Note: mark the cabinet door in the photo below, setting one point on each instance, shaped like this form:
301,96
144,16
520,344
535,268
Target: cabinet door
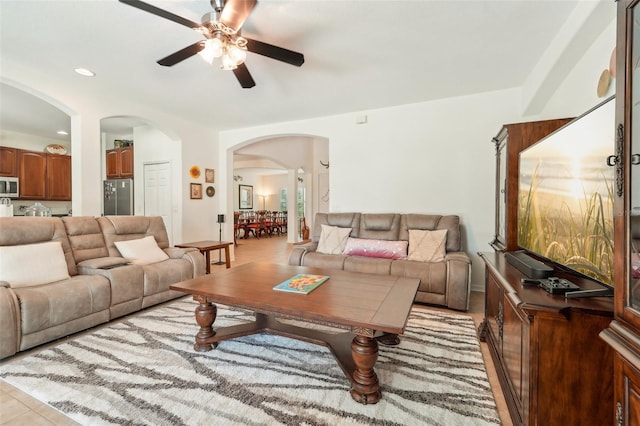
32,167
627,201
512,351
59,177
627,388
494,310
126,162
113,169
8,161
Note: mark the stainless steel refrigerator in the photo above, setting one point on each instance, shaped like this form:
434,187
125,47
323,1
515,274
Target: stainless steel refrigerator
118,197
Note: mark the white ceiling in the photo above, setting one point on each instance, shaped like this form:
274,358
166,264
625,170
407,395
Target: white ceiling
359,55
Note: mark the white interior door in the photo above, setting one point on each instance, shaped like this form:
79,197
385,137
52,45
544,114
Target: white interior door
157,193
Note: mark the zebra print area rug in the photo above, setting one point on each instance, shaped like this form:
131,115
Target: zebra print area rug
144,371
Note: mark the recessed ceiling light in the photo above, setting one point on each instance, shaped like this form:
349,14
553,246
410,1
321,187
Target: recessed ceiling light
85,72
62,132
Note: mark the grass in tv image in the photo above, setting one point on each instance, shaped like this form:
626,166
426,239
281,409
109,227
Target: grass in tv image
565,212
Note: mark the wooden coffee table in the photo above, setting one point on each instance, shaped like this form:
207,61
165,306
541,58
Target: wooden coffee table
366,305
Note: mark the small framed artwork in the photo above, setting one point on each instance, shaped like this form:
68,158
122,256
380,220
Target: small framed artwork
194,171
196,191
245,195
209,175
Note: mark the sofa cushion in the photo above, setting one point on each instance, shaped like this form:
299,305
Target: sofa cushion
123,228
427,246
20,230
429,222
333,239
342,220
380,226
376,248
85,237
33,264
433,275
49,305
143,251
367,265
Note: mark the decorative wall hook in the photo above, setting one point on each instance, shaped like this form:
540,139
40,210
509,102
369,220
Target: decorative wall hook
326,165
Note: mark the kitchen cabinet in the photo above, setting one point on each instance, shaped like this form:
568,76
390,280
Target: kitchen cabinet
44,176
624,332
552,366
32,171
119,163
8,161
58,177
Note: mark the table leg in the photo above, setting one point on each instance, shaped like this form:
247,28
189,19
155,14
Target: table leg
366,388
205,316
207,258
227,256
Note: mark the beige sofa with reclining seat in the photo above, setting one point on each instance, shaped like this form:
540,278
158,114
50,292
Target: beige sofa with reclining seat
99,285
444,282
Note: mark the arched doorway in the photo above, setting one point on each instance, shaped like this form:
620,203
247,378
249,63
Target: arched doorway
280,165
155,187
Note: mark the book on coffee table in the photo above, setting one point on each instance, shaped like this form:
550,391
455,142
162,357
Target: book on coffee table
301,283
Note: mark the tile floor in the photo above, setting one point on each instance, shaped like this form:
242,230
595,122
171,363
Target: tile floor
18,408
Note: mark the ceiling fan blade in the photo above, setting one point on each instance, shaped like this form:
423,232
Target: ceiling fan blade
244,77
162,13
235,12
275,52
181,54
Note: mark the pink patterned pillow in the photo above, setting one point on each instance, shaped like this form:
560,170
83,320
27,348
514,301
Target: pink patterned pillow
376,248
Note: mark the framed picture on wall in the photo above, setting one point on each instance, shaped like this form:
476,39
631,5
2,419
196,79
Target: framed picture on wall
196,191
209,175
245,195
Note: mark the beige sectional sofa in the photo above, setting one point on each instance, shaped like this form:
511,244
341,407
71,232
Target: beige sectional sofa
445,282
101,285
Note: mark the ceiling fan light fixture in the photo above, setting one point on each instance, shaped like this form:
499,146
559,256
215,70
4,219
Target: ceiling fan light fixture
213,48
227,63
237,54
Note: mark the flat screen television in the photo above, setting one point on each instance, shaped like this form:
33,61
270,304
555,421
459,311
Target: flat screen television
565,198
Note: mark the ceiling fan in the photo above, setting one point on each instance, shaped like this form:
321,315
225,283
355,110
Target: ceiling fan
221,29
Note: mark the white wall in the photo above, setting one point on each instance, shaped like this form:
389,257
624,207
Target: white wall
577,93
199,145
29,142
432,157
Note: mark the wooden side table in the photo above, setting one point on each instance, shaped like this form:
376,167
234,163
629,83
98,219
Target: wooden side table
205,248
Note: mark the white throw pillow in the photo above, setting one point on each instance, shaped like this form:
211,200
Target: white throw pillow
427,246
33,264
142,251
333,239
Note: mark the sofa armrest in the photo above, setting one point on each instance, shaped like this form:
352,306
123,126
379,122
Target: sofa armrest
458,280
196,259
102,263
178,252
191,254
10,321
298,252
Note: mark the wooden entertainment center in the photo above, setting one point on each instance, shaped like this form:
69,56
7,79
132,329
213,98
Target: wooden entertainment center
553,367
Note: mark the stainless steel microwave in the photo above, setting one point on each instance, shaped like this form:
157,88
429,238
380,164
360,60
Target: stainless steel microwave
9,187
